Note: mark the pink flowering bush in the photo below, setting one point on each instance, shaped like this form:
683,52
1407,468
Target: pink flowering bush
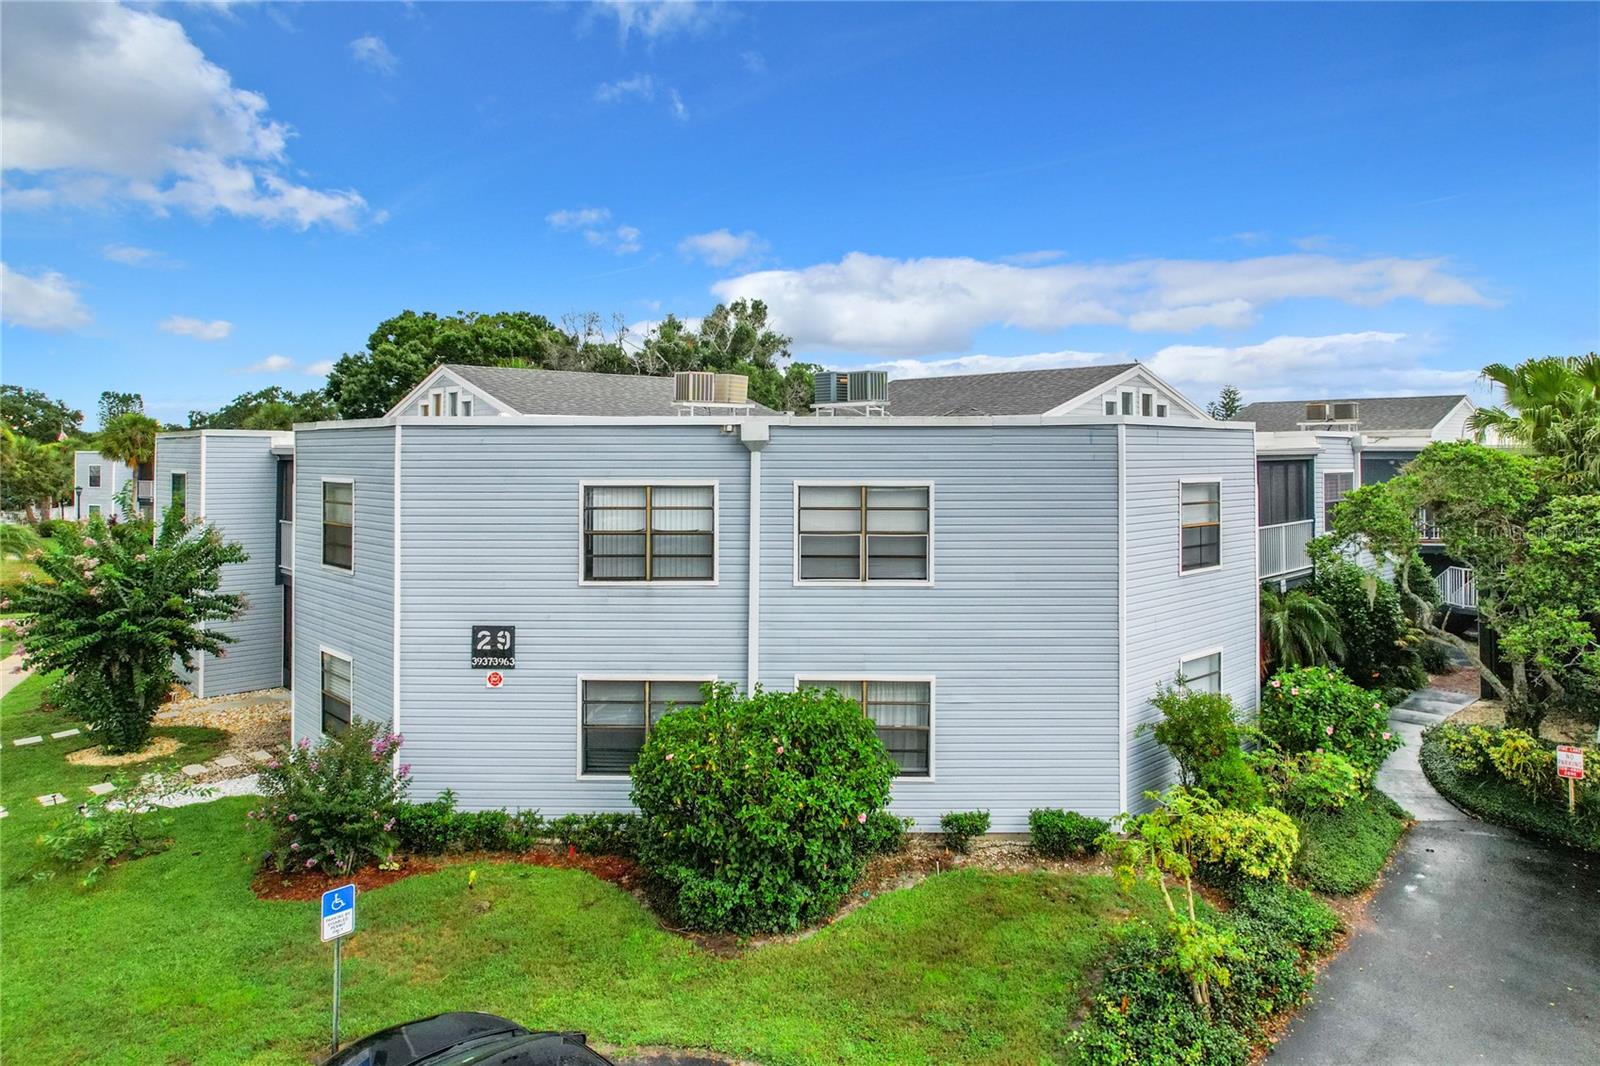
1317,709
758,811
332,806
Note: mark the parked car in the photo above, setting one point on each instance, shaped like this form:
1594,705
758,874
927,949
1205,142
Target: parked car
461,1038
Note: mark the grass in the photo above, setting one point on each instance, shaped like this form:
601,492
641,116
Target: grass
1497,800
1344,851
172,959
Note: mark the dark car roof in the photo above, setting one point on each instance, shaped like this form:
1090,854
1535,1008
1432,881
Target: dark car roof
411,1042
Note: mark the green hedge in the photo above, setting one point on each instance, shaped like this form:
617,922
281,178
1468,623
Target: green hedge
1343,851
1496,800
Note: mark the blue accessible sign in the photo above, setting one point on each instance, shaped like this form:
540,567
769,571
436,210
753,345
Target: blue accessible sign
338,912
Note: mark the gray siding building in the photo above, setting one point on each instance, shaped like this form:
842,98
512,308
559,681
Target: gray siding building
1002,593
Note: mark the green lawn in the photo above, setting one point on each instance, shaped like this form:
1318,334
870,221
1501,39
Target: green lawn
172,959
1344,851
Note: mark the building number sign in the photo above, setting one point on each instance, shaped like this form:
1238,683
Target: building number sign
494,647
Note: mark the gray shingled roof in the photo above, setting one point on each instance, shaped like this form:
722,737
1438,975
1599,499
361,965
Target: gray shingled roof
574,392
1019,392
1383,414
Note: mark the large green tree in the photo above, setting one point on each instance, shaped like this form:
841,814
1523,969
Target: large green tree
733,339
1532,549
33,476
36,416
1227,405
1552,408
114,612
114,405
273,407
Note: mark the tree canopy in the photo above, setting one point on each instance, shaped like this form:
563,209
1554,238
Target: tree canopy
115,404
33,475
273,407
1227,405
1552,408
402,350
129,437
32,414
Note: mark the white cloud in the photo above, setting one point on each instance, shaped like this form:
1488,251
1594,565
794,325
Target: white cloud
320,368
1316,242
722,247
595,225
47,301
657,19
675,102
370,51
199,329
641,86
989,364
901,306
1043,255
130,255
272,364
103,104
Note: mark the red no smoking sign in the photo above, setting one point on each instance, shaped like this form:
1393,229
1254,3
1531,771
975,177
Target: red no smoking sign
494,679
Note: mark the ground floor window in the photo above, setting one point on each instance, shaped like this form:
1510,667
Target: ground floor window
1202,673
617,716
336,689
902,711
180,492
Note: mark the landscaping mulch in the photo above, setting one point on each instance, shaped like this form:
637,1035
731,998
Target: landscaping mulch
1464,680
1561,728
95,756
292,885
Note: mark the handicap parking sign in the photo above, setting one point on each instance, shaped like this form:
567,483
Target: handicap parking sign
338,912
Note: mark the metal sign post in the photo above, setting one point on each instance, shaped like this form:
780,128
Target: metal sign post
338,922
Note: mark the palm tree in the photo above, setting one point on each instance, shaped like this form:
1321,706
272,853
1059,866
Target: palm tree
1552,408
131,438
1298,629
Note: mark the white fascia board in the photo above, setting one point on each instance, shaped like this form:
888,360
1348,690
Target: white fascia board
391,415
1135,371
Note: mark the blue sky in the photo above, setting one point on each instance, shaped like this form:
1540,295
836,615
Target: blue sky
1301,199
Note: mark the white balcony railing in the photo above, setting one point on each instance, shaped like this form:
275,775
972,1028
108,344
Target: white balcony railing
286,546
1283,548
1458,588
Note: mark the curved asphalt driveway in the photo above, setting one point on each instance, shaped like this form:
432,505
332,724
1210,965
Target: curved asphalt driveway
1481,946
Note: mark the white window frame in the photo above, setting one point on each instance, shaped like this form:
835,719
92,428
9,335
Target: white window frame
422,409
1127,401
862,582
350,660
1213,479
453,396
1163,409
933,711
577,746
321,524
466,406
1108,404
437,396
1147,396
172,474
1322,512
95,475
1222,663
664,482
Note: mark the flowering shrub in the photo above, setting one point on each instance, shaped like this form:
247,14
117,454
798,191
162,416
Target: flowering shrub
333,807
753,806
1318,709
1309,780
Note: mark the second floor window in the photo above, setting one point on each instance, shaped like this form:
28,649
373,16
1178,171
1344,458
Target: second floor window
1334,487
338,524
1283,491
94,477
1200,515
180,492
864,533
649,533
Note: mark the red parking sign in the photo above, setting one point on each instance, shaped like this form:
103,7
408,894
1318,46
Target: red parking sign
1569,762
494,680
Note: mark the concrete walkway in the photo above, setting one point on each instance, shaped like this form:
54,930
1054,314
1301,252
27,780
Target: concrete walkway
1481,946
12,673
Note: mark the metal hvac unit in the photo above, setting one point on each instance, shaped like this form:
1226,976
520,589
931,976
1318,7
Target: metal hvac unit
731,389
832,387
1346,412
1316,412
694,386
867,386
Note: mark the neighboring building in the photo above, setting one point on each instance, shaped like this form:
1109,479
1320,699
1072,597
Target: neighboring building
96,480
231,478
1003,592
1311,452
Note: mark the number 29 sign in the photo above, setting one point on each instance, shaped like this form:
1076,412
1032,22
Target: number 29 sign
494,647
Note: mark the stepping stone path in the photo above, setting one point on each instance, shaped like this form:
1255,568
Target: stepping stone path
168,714
3,812
102,788
195,769
227,762
52,799
261,756
65,733
25,741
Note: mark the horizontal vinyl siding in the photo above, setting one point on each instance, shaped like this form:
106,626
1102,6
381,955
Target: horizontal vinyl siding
175,454
349,612
113,475
1334,455
491,521
1171,616
241,501
1019,631
482,407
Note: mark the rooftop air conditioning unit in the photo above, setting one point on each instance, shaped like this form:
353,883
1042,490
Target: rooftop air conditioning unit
1346,412
694,386
1316,412
831,387
867,386
731,389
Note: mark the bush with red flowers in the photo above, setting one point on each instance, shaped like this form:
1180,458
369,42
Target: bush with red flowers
1317,708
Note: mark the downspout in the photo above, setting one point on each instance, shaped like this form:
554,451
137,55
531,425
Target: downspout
755,436
200,669
394,713
1122,616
